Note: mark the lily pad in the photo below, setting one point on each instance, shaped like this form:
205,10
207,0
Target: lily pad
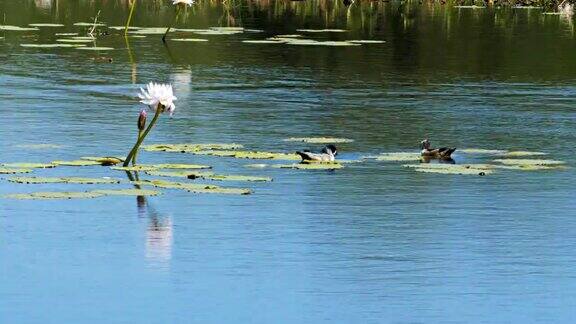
96,48
482,151
194,187
72,40
127,192
183,173
103,160
195,40
221,190
220,177
135,168
52,45
45,25
28,165
470,7
123,27
218,32
236,29
310,166
366,41
256,165
523,153
462,169
322,30
190,147
14,171
190,30
266,155
54,195
398,157
531,167
86,24
75,180
319,140
261,41
338,43
17,28
180,166
76,163
529,162
66,34
289,36
149,31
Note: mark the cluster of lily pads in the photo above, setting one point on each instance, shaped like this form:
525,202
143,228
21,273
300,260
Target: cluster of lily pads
86,41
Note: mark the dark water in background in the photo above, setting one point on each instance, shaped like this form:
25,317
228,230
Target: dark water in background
372,243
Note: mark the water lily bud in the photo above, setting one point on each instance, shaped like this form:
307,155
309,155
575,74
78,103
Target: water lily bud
142,120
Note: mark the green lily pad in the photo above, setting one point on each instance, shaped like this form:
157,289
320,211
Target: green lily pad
398,157
462,169
14,171
190,30
193,187
127,192
76,163
122,27
531,167
183,173
529,162
322,30
86,24
190,147
195,40
215,153
66,34
135,168
261,41
103,160
221,190
72,40
338,43
310,166
40,146
75,180
266,155
28,165
17,28
236,29
180,166
95,48
218,32
149,31
289,36
220,177
51,45
90,38
45,25
366,41
482,151
523,153
54,195
319,140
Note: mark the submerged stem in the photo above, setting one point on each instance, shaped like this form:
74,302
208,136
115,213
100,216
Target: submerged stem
129,17
173,23
159,109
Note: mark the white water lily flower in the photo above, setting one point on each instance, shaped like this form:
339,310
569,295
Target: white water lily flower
156,93
185,2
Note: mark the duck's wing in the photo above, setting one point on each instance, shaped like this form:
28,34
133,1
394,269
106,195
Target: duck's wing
309,156
446,151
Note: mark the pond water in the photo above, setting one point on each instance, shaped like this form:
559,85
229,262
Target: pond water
371,243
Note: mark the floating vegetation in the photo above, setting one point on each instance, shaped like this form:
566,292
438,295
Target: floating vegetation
288,36
16,28
482,151
398,157
366,41
322,30
91,38
523,153
236,29
194,187
256,165
149,31
218,32
184,148
184,173
195,40
55,195
180,166
135,168
103,160
470,7
28,165
123,27
262,41
51,45
66,34
319,140
338,43
529,162
75,180
189,30
526,7
45,25
40,146
531,167
219,177
463,169
128,192
77,163
73,40
265,155
95,48
90,24
14,171
310,166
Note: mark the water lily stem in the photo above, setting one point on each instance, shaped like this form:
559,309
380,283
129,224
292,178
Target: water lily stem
172,24
129,17
136,153
141,138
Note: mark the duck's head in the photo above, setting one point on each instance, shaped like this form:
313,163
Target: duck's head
425,144
330,149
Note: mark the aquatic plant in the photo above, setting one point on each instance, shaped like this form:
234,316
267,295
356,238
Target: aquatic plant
159,98
180,5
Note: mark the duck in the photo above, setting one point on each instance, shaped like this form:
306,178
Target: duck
328,154
437,153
